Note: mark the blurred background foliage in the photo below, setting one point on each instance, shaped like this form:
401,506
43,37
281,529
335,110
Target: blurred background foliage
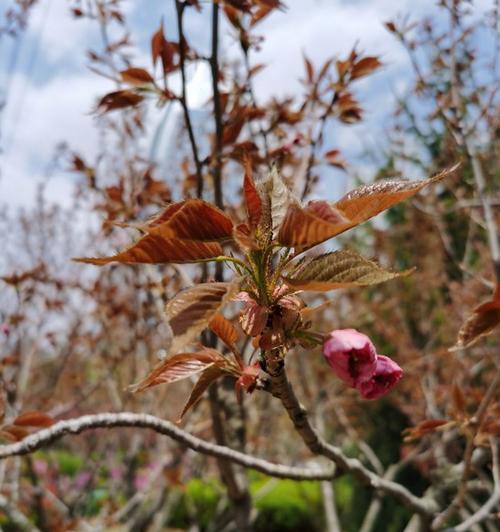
74,340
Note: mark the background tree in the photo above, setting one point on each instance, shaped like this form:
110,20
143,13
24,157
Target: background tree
75,339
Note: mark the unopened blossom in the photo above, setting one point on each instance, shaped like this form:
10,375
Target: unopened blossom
351,355
387,374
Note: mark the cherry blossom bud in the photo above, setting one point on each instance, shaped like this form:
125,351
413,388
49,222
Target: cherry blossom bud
387,374
351,355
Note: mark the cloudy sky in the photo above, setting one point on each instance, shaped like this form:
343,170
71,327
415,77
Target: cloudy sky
49,90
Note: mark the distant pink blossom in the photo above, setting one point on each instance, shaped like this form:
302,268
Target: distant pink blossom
141,481
83,479
387,374
351,355
116,473
5,328
40,467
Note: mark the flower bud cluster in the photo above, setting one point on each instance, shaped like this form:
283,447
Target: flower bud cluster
354,359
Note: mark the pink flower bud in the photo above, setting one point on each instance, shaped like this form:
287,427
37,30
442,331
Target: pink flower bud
387,374
351,355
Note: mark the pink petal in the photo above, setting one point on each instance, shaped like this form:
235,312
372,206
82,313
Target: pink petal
386,376
351,355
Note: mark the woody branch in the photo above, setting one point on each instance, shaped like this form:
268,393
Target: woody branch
129,419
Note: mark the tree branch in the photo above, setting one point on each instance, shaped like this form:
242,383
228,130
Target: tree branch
281,388
214,67
19,520
462,140
483,513
477,423
129,419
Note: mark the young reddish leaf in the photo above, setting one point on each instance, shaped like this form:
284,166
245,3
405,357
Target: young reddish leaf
179,367
432,423
154,249
36,274
280,198
118,100
253,200
193,219
459,402
365,66
424,427
390,26
256,69
157,44
248,379
254,319
224,329
350,110
273,4
233,16
14,432
271,339
322,209
303,228
309,69
339,269
191,310
242,5
231,131
165,215
243,236
209,375
33,419
483,320
136,76
369,200
491,426
333,157
7,436
324,69
342,67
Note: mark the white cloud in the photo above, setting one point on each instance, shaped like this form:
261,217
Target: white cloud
57,111
51,105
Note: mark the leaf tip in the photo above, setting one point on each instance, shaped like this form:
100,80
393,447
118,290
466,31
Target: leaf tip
135,388
96,261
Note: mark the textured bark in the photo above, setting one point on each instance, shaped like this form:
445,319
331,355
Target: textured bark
282,389
78,425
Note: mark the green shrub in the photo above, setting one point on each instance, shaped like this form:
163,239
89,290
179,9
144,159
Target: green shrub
289,506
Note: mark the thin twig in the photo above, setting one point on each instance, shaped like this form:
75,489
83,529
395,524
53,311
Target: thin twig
214,67
281,388
18,519
483,513
478,420
183,98
376,504
456,128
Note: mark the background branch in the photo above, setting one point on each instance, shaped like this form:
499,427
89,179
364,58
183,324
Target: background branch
282,389
183,99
